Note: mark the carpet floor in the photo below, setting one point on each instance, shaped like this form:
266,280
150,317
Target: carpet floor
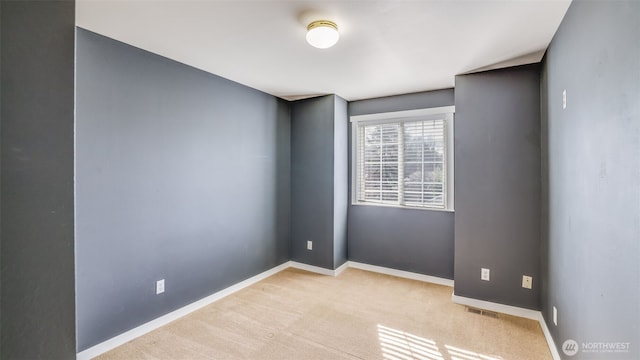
356,315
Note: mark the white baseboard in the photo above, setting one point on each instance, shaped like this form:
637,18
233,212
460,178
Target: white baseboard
515,311
501,308
547,335
401,273
174,315
341,268
318,269
312,268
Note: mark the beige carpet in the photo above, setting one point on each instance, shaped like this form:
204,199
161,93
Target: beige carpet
357,315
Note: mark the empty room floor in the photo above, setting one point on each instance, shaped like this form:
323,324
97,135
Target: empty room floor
356,315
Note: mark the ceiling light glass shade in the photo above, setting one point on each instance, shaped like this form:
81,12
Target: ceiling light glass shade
322,34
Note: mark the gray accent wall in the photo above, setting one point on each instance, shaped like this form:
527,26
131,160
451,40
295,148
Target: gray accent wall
180,175
420,241
591,178
36,182
497,185
318,127
412,101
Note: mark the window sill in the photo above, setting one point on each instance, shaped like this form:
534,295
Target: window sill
403,207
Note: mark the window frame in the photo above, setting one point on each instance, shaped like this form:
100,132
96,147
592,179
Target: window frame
445,112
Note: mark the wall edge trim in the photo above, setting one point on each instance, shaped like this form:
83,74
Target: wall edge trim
402,273
547,335
341,268
312,268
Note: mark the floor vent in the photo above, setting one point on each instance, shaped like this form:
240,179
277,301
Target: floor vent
490,314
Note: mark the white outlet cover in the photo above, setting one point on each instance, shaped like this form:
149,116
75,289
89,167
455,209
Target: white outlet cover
159,286
485,274
555,316
527,282
309,245
564,99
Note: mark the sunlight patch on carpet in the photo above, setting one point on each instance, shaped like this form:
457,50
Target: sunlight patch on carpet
462,354
400,345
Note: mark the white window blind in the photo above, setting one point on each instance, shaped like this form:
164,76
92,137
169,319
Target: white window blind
402,162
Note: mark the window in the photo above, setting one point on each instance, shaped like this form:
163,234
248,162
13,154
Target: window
404,158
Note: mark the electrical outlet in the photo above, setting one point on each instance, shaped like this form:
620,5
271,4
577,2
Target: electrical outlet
309,245
159,286
485,274
527,281
564,99
555,316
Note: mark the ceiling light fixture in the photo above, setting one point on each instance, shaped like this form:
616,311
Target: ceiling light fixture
322,34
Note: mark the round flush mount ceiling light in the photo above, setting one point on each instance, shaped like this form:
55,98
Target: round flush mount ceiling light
322,34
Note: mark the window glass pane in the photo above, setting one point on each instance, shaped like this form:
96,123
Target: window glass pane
389,133
390,172
390,153
412,187
434,172
429,170
390,196
372,134
389,186
433,154
413,197
372,172
372,195
372,152
412,151
422,161
412,172
372,185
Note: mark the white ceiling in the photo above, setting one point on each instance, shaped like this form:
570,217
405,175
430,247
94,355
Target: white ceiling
386,47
